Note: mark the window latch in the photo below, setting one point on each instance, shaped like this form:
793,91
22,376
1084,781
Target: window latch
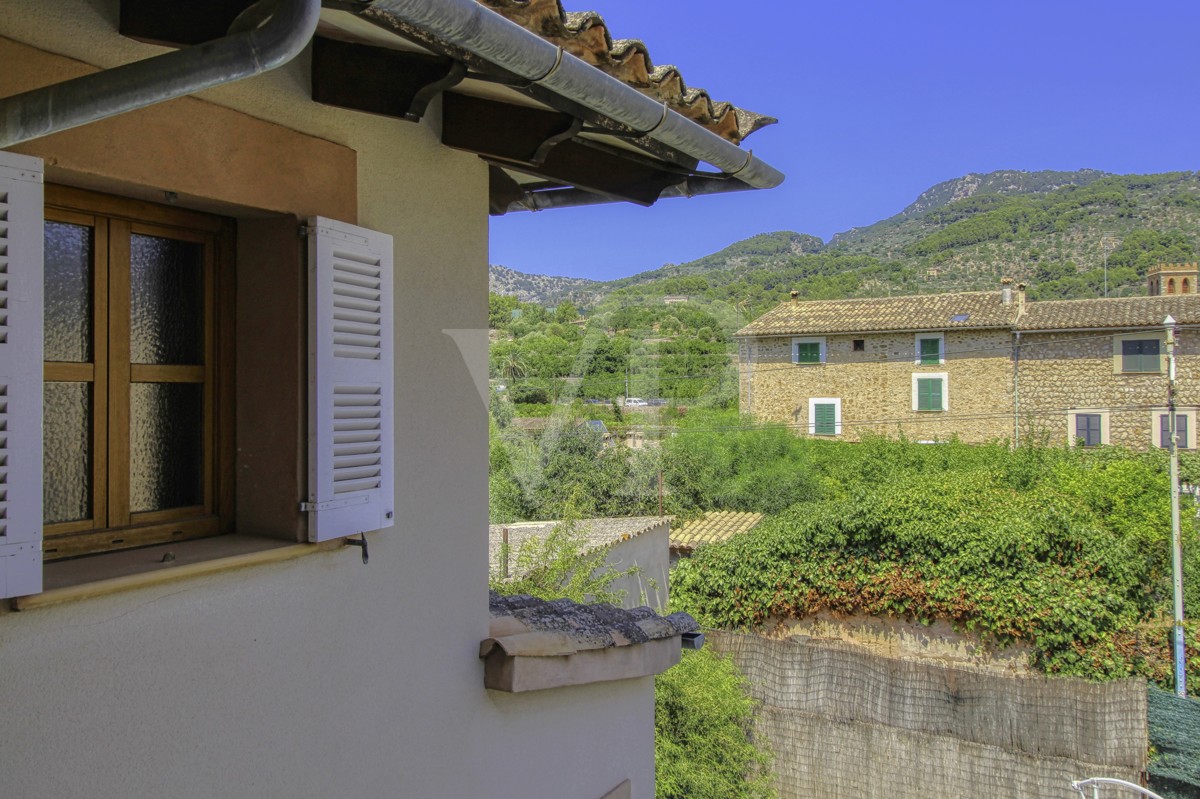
359,542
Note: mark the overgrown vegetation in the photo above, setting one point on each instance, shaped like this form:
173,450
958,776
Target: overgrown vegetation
1064,550
704,747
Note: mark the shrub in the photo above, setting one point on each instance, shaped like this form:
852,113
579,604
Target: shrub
704,747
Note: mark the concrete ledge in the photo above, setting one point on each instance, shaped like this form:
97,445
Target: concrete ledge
100,575
519,673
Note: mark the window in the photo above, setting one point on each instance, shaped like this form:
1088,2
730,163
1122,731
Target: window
1087,427
1185,422
808,350
930,349
929,392
1140,355
825,417
116,393
131,373
860,345
1171,285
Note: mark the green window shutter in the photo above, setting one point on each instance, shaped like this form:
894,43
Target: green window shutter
807,352
824,419
931,351
1140,355
929,394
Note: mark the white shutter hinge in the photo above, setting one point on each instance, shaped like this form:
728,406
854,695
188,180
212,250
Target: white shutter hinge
309,507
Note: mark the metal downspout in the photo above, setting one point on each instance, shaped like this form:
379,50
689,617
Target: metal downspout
267,35
479,30
1017,390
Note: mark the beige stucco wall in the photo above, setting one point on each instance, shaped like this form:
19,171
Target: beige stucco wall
320,676
875,386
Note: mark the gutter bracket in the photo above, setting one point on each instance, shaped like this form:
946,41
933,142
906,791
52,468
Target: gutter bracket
421,100
543,150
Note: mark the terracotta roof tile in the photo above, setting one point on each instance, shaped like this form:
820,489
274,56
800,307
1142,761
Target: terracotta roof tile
526,626
965,310
1114,312
712,527
586,36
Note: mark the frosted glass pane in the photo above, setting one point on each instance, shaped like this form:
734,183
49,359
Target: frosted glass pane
166,452
68,281
67,456
167,301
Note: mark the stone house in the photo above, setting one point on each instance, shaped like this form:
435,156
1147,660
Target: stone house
243,337
980,366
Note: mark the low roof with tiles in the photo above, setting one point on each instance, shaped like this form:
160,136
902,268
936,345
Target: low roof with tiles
595,532
712,527
966,310
1113,312
524,626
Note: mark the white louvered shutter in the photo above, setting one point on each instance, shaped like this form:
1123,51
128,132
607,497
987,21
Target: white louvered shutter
350,361
20,375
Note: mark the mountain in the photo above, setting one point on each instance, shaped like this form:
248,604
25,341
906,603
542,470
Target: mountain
1067,234
542,289
1002,182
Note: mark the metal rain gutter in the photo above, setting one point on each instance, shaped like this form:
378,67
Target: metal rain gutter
573,198
479,30
267,35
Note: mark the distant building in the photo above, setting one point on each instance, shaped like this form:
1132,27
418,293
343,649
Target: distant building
1164,279
674,299
979,366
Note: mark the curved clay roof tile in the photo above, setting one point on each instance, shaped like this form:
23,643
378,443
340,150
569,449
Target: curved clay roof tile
585,35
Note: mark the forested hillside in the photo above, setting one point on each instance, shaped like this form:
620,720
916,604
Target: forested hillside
1052,230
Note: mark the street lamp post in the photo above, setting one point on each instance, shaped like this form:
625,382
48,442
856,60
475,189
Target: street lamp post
1176,539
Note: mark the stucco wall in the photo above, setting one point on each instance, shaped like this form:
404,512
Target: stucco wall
320,676
875,385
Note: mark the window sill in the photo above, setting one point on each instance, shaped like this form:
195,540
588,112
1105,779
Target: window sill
114,572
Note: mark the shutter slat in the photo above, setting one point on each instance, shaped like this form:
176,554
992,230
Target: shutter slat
21,232
351,441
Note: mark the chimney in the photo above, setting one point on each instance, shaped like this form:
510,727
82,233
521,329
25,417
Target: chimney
795,296
1006,290
1020,298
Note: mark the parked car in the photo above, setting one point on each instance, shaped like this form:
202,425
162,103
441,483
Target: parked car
631,402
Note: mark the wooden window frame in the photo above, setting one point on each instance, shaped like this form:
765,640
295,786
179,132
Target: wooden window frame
112,525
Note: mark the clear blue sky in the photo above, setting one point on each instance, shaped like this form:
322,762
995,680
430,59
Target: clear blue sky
877,101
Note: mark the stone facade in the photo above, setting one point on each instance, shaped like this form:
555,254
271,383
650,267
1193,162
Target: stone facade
1010,383
875,385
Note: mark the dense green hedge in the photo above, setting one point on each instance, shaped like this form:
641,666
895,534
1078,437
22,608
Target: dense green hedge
1067,551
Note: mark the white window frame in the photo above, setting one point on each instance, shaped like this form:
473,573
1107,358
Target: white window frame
1189,411
945,378
941,340
795,353
1103,413
813,402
